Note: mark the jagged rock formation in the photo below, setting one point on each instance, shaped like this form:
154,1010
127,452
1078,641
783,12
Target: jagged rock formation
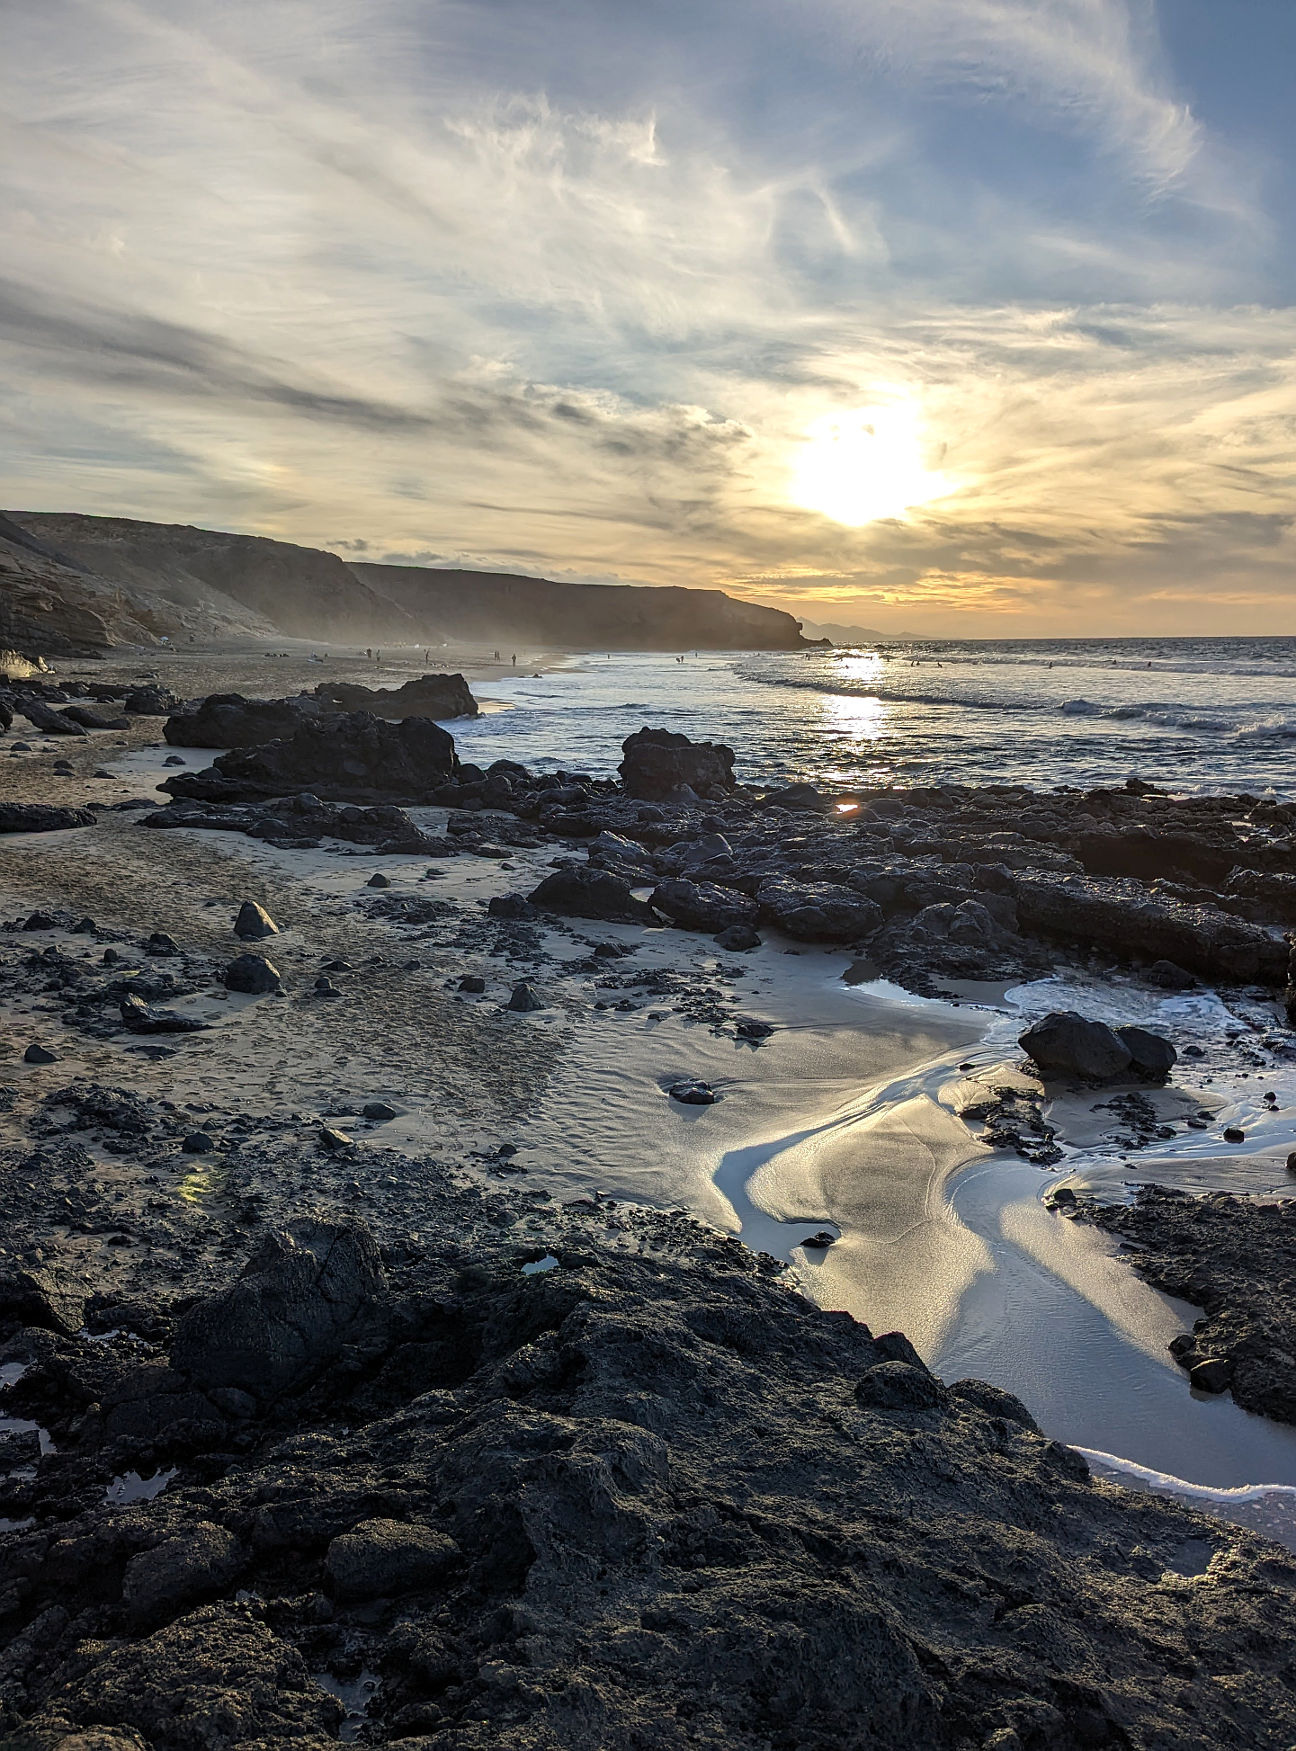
350,757
428,696
652,1501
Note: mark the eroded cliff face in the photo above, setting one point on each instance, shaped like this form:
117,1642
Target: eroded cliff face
246,582
537,611
49,606
73,584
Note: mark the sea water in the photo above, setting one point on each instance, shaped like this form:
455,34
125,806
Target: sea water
1206,715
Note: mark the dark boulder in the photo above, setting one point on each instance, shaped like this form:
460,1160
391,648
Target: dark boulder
525,999
428,696
703,906
1152,1057
95,720
817,911
380,1559
182,1571
738,938
353,758
1065,1043
254,923
41,818
229,720
591,893
660,762
151,701
306,1295
52,722
252,975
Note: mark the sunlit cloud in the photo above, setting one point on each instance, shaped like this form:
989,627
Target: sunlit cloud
706,298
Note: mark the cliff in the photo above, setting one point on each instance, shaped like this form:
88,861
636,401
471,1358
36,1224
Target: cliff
499,607
50,606
231,583
72,584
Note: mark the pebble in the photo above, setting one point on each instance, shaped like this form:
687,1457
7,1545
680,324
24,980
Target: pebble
198,1143
473,984
1233,1134
378,1112
525,999
38,1054
378,880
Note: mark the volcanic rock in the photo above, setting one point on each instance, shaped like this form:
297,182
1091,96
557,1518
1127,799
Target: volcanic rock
229,720
253,975
658,762
254,923
703,906
352,758
380,1559
1151,1055
1064,1043
817,911
306,1294
41,818
591,893
436,696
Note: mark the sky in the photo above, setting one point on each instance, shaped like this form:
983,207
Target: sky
960,317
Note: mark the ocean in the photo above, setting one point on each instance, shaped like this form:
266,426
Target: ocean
1207,715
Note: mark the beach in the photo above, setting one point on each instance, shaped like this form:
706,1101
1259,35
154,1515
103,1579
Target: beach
833,1140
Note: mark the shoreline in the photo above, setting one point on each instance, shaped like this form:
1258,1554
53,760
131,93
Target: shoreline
841,1115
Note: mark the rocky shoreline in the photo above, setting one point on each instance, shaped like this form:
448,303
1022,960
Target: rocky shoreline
340,1436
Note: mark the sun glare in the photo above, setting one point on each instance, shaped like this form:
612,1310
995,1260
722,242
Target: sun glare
866,464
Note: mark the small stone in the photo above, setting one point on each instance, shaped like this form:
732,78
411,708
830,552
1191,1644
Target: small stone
1233,1134
1063,1197
473,984
254,922
378,1112
819,1242
174,760
252,975
750,1029
525,999
161,944
1291,1162
378,880
1211,1374
694,1094
198,1143
38,1054
84,927
335,1142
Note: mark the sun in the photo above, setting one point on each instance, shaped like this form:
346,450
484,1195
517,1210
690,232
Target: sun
864,465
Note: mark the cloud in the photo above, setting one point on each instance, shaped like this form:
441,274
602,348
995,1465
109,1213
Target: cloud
564,292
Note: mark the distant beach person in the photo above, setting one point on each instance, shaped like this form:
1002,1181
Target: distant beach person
369,652
513,659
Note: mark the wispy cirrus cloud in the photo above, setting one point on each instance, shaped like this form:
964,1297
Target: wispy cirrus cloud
567,293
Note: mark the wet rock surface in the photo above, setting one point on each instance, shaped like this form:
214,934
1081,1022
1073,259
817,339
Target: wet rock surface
1233,1258
660,763
439,696
352,757
644,1497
